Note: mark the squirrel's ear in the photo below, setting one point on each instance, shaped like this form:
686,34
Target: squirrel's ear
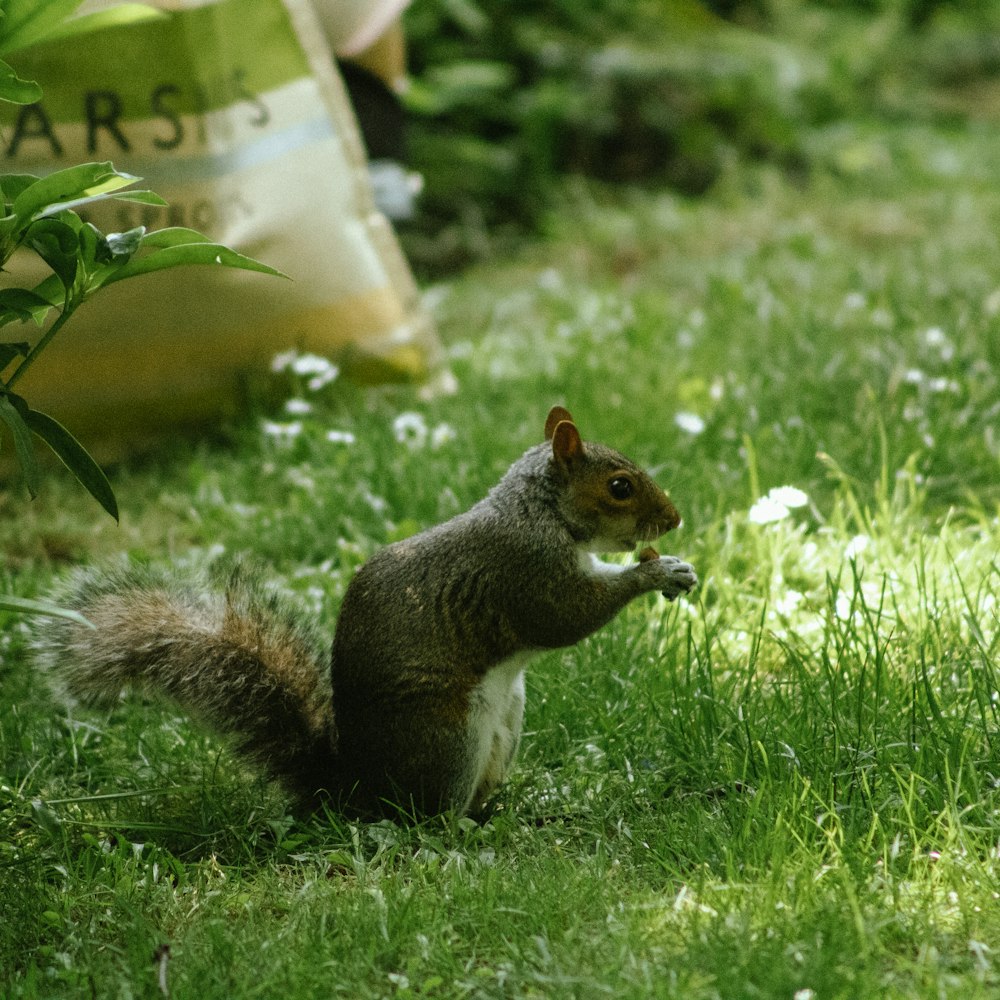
567,446
556,414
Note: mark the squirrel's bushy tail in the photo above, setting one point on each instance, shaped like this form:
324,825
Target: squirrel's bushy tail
237,657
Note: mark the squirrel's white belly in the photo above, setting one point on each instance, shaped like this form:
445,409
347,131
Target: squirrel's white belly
496,711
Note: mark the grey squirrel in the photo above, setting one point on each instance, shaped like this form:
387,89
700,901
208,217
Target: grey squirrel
422,707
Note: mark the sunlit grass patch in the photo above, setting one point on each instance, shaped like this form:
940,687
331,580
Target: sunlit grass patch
867,572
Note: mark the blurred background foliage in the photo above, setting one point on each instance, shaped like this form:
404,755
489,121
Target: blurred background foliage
508,96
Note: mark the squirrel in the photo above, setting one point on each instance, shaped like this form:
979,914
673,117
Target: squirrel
421,708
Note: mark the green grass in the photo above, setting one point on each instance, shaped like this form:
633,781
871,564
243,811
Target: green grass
785,786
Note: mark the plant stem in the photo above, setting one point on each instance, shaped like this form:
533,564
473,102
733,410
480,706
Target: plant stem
40,346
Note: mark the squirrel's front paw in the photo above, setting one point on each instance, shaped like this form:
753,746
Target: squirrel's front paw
673,576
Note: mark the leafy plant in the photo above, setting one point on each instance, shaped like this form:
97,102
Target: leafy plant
40,215
28,22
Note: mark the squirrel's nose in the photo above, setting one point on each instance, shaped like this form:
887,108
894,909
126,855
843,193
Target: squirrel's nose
670,518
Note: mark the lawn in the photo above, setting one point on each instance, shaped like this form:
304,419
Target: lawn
784,786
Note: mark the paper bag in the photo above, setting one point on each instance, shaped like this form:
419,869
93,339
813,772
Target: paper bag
234,113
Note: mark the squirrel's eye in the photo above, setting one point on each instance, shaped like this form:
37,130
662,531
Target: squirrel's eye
621,488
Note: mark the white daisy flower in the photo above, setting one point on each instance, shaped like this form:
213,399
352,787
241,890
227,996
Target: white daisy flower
410,429
789,496
766,510
340,437
691,423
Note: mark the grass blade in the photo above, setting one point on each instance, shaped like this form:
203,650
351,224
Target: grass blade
27,606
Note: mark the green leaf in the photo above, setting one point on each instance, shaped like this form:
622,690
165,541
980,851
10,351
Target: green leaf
138,197
10,350
29,21
92,248
75,457
126,13
25,606
13,184
51,290
56,242
69,188
189,253
15,90
36,302
11,409
173,236
22,304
